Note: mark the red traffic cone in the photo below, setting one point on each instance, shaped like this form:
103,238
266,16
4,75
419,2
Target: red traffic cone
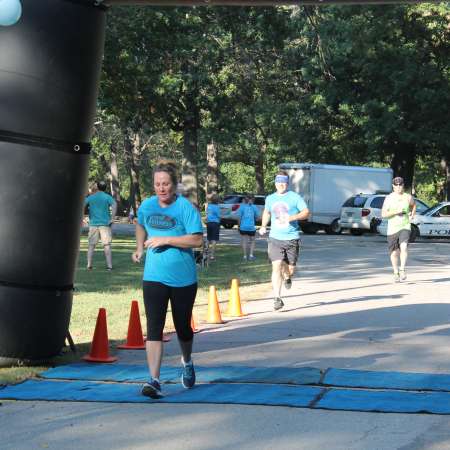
135,339
100,346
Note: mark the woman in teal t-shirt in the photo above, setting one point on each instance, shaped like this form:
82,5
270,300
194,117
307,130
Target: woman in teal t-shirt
169,227
247,215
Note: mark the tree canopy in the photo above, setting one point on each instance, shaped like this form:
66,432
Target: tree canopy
362,85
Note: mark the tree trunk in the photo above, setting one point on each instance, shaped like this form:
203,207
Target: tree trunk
212,183
132,146
189,164
259,170
115,185
403,163
446,169
263,143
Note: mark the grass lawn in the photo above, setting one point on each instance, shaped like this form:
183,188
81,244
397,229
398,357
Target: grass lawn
115,290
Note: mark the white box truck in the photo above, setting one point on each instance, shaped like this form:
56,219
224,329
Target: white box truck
325,187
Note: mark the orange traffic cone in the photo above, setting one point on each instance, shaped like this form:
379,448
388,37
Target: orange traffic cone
194,328
213,307
234,304
100,347
135,339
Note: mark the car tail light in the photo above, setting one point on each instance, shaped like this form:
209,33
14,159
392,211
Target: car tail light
235,207
365,212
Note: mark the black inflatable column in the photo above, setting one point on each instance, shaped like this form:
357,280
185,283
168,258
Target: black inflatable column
49,70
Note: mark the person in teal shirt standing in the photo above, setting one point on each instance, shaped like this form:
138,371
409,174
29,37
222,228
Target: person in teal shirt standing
284,209
169,227
247,215
102,209
212,224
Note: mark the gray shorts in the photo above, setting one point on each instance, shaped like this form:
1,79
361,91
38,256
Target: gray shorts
286,251
394,240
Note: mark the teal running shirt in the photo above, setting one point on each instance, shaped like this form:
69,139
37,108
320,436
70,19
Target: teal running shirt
99,205
172,266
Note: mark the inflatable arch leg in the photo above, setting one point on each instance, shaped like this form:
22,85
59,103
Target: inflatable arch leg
49,70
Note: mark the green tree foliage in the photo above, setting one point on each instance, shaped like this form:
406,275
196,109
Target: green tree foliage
336,84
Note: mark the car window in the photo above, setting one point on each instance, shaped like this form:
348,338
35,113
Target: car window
260,200
232,199
377,202
444,211
427,211
355,202
421,207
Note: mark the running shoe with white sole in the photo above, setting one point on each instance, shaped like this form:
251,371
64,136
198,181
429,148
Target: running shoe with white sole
188,375
152,389
278,304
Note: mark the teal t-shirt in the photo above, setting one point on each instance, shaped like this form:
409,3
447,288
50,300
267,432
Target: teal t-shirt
247,215
213,213
280,208
99,204
171,266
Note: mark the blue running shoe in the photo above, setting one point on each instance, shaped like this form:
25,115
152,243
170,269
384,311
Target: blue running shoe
188,375
152,389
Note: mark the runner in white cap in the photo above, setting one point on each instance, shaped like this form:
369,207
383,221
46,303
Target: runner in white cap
284,208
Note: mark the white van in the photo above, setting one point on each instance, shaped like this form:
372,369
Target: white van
325,187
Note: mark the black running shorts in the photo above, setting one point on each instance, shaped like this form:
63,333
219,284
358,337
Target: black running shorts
286,251
212,231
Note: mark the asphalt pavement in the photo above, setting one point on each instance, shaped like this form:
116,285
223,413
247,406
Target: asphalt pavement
343,311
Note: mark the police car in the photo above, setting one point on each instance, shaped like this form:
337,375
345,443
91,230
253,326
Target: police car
433,222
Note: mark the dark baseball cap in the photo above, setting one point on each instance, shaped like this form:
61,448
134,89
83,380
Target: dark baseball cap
398,181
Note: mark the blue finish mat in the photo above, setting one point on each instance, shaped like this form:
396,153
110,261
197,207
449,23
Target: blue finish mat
248,394
222,374
386,401
272,375
89,391
386,380
274,386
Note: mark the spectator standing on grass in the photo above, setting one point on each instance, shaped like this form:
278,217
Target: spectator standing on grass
102,208
169,227
398,208
284,209
212,224
247,215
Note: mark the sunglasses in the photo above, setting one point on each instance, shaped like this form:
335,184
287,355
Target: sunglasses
398,184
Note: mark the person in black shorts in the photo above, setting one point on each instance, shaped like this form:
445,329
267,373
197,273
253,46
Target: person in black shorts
399,208
212,225
284,209
169,227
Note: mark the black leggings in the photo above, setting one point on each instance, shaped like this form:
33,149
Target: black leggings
156,300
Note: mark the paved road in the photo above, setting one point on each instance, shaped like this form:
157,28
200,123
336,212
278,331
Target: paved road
343,311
